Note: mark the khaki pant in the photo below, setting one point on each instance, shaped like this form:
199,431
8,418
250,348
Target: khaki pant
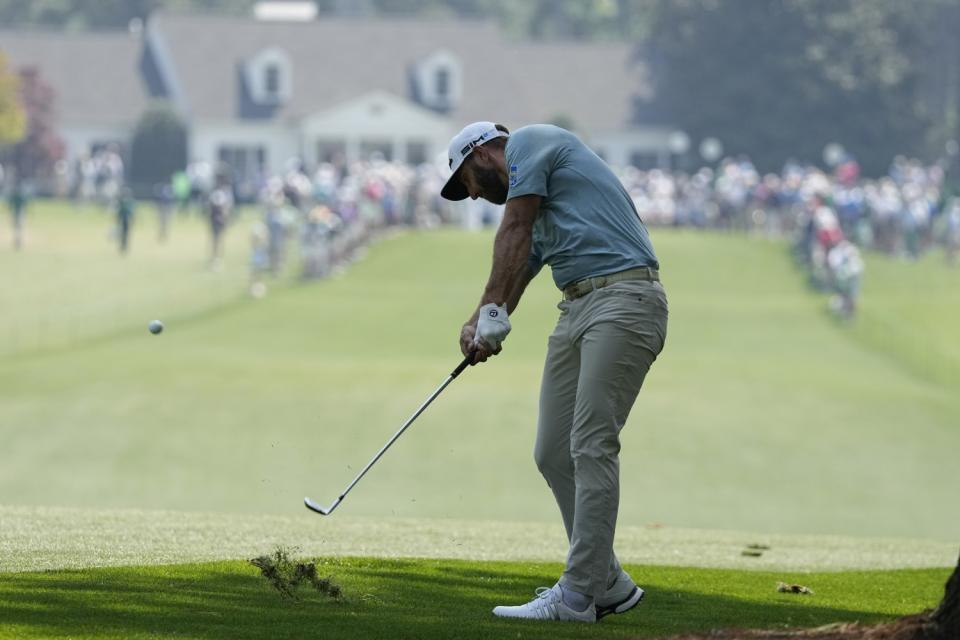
597,358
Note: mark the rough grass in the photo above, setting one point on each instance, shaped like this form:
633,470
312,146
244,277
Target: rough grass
427,599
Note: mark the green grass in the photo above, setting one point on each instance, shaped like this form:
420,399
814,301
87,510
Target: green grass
430,599
910,313
762,414
70,284
45,538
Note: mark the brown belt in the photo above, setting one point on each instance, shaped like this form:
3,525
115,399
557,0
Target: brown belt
583,287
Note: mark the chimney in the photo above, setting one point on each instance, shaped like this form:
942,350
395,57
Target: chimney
285,11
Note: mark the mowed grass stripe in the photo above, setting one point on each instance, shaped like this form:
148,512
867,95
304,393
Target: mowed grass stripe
45,538
762,414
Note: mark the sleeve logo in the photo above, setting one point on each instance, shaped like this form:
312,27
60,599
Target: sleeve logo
514,175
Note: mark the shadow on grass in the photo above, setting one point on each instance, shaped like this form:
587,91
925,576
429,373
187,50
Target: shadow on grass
383,599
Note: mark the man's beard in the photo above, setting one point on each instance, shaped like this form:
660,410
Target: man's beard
491,188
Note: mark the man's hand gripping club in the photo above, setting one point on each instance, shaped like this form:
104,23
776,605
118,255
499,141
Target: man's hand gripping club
485,335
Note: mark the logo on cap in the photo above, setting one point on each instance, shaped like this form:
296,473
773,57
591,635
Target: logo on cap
470,145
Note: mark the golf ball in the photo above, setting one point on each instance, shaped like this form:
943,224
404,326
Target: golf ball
155,327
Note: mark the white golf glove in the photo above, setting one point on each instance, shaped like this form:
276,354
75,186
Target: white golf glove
493,325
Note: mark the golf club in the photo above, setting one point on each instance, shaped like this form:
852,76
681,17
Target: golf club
325,511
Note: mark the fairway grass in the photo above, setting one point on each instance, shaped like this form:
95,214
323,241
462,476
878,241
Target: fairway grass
763,414
70,285
428,599
43,538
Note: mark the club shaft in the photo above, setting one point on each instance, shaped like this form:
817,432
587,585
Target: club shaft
406,424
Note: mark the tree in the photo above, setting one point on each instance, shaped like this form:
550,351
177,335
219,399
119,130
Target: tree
159,146
785,77
36,153
946,617
13,120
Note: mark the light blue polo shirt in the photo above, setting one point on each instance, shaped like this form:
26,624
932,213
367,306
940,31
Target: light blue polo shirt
587,225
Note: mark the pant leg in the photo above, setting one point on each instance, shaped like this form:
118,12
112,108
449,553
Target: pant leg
552,452
558,394
621,331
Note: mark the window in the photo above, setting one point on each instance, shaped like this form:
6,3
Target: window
271,80
442,82
246,165
416,152
643,161
331,150
376,148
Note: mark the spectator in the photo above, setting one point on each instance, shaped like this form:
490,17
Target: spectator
18,205
180,183
259,260
165,201
219,212
279,219
316,238
125,206
846,268
951,232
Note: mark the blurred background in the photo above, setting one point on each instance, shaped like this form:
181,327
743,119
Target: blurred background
264,177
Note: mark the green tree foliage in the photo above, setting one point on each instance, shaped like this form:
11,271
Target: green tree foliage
538,19
159,146
36,153
785,77
769,78
13,120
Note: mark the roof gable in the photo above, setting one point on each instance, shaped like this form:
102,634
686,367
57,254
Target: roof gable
339,59
379,113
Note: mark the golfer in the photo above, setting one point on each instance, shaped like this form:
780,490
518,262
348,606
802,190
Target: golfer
566,208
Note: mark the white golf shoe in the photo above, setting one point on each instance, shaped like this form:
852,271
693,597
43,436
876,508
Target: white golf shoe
548,605
622,596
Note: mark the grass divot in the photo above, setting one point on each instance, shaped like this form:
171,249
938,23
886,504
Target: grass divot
286,575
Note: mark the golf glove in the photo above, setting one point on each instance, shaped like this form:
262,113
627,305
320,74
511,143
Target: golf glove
493,325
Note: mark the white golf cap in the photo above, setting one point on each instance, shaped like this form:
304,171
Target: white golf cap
461,146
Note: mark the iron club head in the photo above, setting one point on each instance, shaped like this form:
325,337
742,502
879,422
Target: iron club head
318,508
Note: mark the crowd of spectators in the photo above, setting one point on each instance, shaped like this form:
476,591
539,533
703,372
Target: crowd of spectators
96,176
830,215
327,213
904,213
330,213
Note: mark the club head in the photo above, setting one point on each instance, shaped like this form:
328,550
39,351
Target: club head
318,508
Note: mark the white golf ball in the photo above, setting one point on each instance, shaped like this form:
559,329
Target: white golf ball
155,327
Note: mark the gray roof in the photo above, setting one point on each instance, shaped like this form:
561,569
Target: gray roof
95,76
337,59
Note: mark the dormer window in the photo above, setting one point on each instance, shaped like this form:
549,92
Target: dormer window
438,81
271,80
269,77
443,82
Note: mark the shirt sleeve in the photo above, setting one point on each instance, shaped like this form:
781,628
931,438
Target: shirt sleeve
534,262
529,164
